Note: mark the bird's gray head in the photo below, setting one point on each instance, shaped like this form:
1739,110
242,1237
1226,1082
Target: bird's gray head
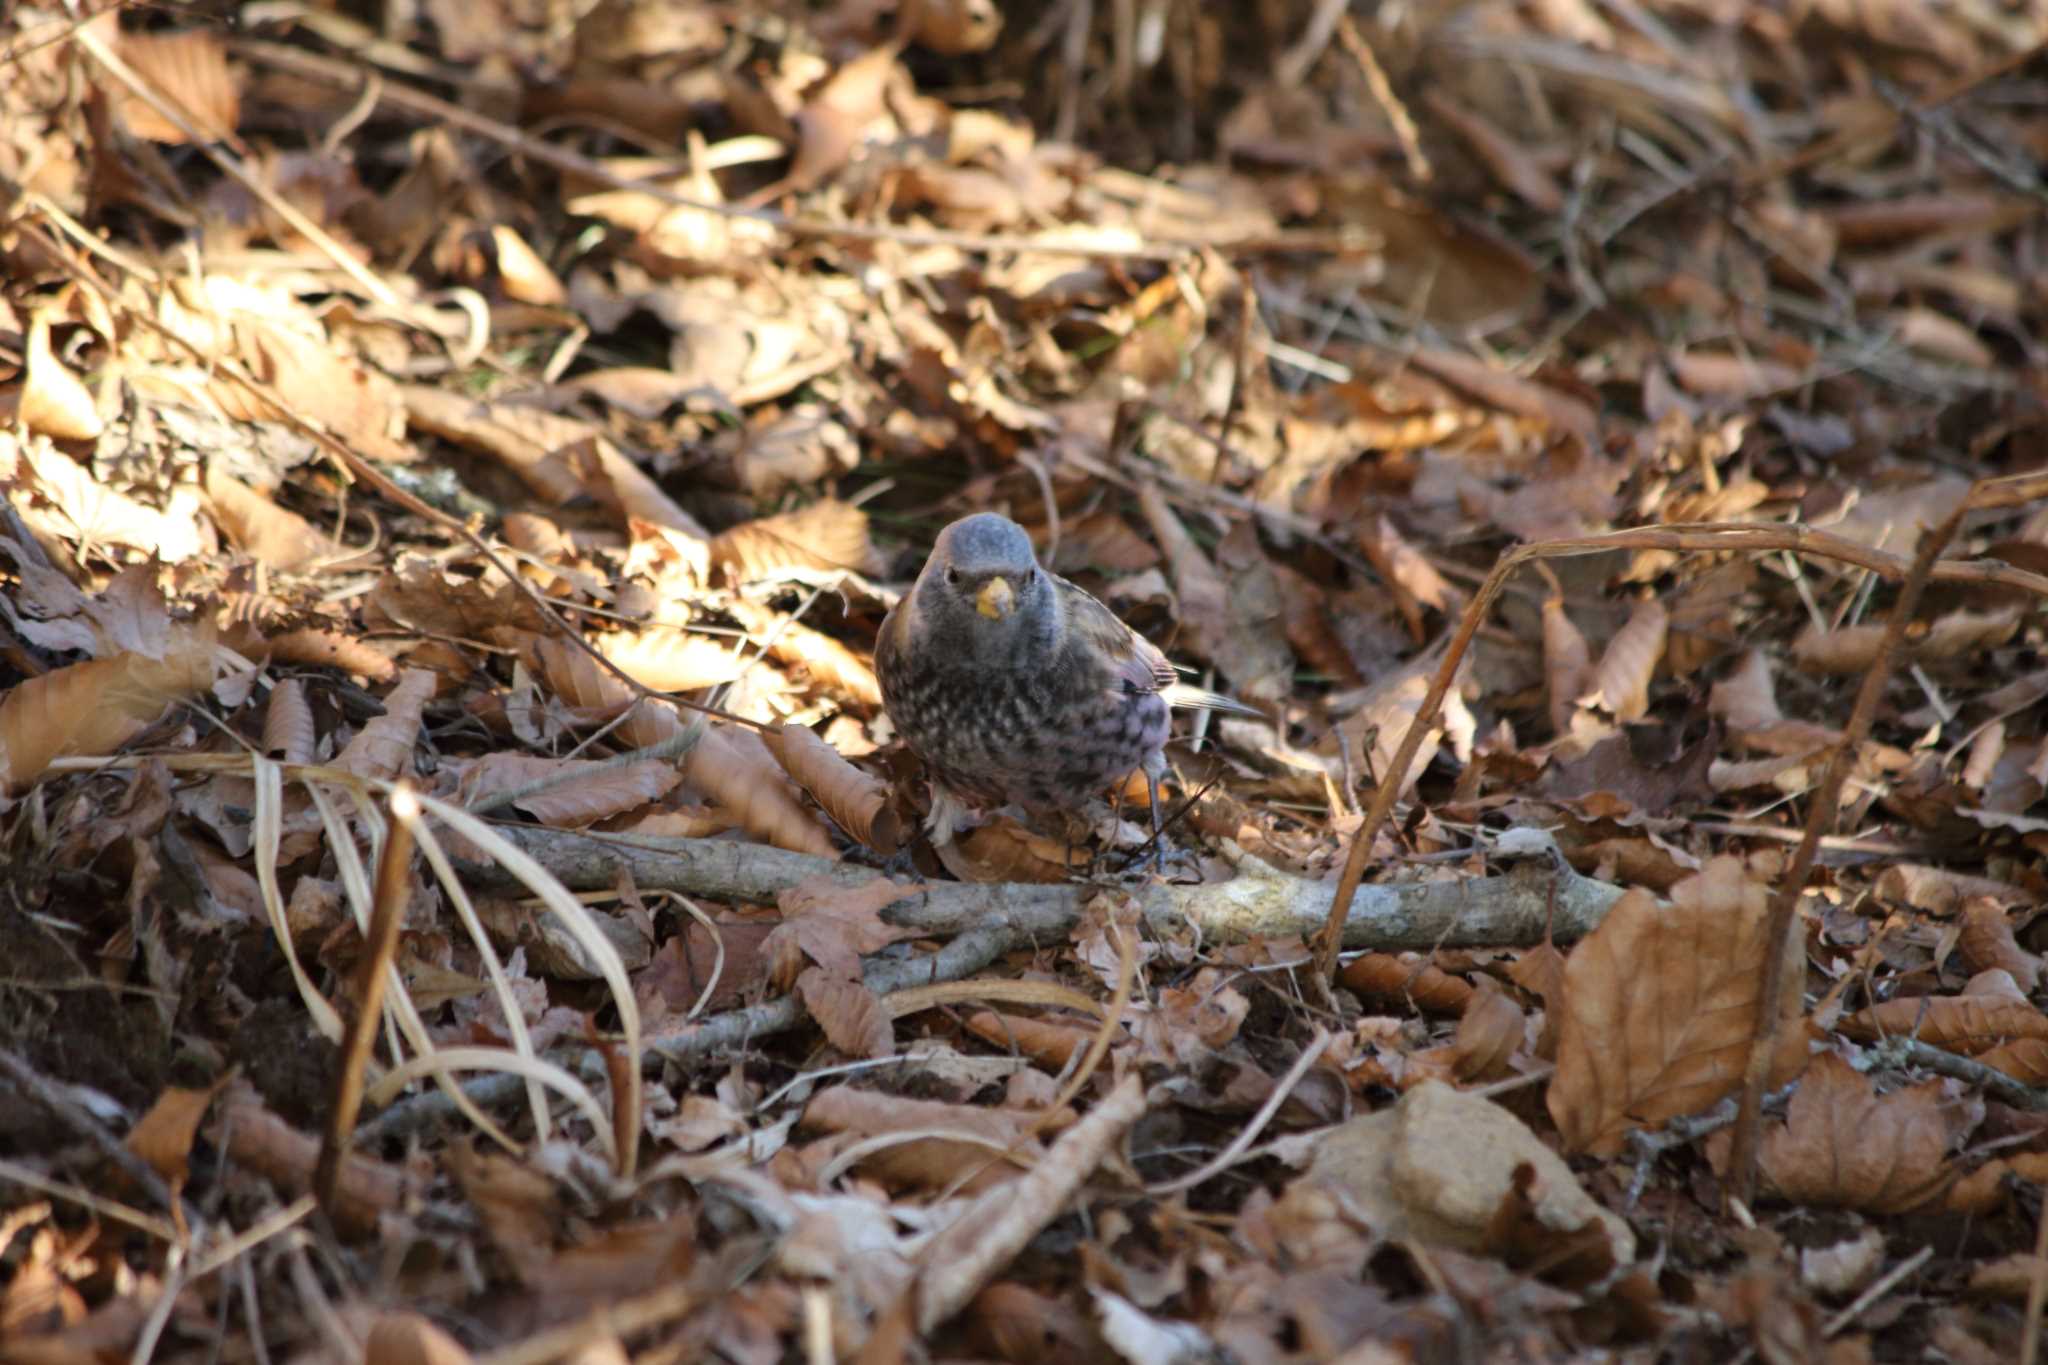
982,590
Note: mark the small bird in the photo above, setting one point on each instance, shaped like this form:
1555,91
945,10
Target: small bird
1015,686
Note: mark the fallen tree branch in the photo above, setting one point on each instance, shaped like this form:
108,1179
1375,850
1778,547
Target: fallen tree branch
1533,899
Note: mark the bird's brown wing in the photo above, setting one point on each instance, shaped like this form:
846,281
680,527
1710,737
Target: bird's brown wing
1136,664
893,639
1132,660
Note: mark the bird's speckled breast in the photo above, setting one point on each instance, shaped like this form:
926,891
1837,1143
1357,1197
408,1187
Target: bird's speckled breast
1053,736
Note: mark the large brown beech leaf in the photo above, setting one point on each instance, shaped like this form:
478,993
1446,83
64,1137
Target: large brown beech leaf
1660,1004
1844,1145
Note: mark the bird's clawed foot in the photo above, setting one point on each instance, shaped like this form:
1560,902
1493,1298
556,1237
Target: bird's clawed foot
898,866
1157,859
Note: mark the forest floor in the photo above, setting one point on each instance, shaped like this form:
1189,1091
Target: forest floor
464,895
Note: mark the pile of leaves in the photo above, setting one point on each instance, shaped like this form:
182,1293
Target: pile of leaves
463,894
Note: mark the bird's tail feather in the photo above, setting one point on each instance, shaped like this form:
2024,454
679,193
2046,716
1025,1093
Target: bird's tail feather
1199,699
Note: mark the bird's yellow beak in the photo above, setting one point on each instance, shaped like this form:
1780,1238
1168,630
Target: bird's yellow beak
995,599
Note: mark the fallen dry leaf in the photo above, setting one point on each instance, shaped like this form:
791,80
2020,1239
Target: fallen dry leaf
1842,1145
95,707
1659,1008
53,401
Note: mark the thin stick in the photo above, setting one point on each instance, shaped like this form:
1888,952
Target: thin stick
19,1174
1820,822
1390,103
393,878
1224,1159
1891,1279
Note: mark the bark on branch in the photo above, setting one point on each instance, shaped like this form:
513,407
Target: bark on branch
1518,907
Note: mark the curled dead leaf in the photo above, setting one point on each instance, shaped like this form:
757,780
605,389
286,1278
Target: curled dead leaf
1052,1045
288,732
1413,580
1567,664
1729,375
54,401
524,275
1951,639
163,1137
1488,1036
1540,971
672,660
1745,698
857,801
2023,1059
316,648
734,768
1958,1023
826,661
932,1160
275,536
850,1014
1987,941
1621,682
581,682
569,793
401,1338
1409,977
1004,851
838,115
385,746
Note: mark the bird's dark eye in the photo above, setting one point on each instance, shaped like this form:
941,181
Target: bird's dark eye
953,577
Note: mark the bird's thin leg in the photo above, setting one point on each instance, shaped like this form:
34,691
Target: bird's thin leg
1158,828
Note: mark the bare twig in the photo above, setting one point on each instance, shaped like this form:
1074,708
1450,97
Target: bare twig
394,881
1916,1052
1383,92
987,1236
965,955
1224,1159
29,1178
1820,822
1886,1284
